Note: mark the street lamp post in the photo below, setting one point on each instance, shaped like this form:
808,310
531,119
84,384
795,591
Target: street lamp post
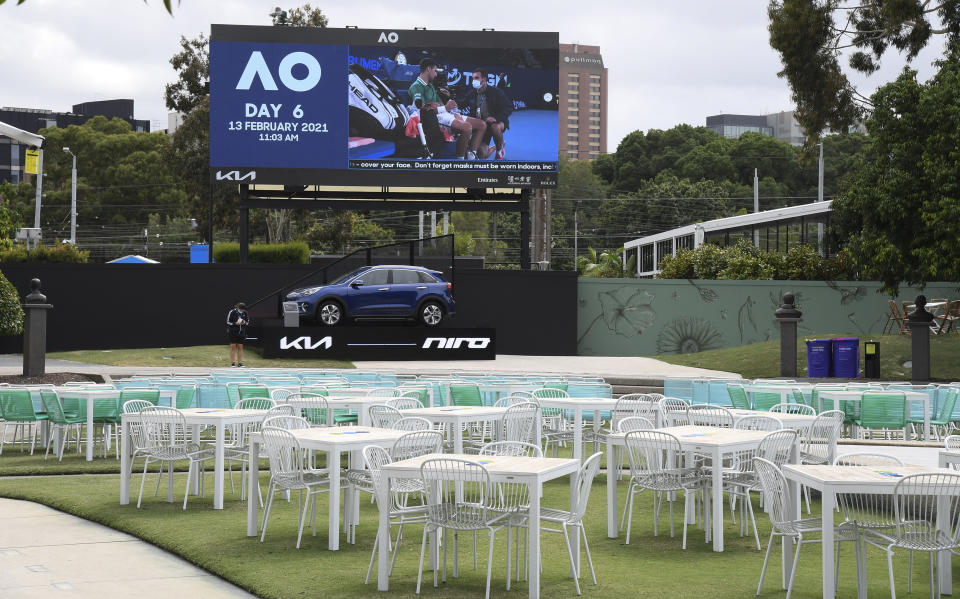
73,198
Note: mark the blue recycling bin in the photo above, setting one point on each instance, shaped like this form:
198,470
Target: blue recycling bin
846,357
819,357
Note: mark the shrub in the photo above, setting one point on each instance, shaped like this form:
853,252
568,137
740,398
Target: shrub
64,253
11,313
803,263
296,252
680,266
708,261
745,261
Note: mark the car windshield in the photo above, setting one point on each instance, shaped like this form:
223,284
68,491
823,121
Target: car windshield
344,278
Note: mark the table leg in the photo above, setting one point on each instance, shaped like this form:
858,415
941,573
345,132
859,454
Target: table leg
195,480
218,467
383,536
333,466
717,500
457,426
89,441
363,417
533,521
611,493
253,497
574,533
793,512
578,433
125,462
926,420
827,504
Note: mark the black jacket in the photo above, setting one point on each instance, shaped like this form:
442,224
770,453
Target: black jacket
498,105
235,315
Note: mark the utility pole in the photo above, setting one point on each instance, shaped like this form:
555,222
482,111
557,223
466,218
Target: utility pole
576,212
820,199
73,198
756,207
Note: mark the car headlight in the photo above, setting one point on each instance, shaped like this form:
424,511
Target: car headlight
304,292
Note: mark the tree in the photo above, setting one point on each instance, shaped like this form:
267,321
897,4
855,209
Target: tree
167,4
306,16
810,35
336,234
900,213
192,65
608,265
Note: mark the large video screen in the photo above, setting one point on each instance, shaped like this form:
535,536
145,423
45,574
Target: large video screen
310,106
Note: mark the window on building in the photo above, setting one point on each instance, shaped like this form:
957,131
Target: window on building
15,156
646,258
571,146
685,242
595,147
595,106
572,155
573,75
50,122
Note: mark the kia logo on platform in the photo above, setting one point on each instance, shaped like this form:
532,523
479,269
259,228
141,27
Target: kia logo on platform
236,176
456,342
306,343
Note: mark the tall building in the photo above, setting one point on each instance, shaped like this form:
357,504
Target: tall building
12,154
583,102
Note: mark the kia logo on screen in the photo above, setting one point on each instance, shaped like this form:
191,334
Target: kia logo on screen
456,342
388,38
306,343
236,176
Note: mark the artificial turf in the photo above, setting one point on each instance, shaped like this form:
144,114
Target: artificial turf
648,567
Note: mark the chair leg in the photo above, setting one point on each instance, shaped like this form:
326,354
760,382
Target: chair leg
576,574
186,493
271,491
303,515
146,462
893,591
766,559
423,549
491,535
793,571
586,548
753,520
509,541
373,555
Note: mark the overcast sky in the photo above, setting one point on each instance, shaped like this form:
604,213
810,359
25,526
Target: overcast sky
669,62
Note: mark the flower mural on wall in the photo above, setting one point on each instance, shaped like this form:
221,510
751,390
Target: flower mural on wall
626,311
687,336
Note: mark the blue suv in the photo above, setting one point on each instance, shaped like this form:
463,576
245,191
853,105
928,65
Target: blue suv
409,292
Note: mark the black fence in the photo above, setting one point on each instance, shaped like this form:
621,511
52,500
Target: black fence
107,306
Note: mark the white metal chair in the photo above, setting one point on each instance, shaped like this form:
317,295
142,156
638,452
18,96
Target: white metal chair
404,403
653,456
279,395
311,406
793,408
413,423
919,501
879,460
165,431
290,471
574,518
709,415
819,441
758,422
776,503
951,442
512,448
635,423
519,423
460,497
556,429
674,410
382,416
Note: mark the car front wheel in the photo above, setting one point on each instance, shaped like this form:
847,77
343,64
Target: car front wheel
431,314
329,314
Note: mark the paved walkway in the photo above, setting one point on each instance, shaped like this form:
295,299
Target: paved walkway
625,367
46,553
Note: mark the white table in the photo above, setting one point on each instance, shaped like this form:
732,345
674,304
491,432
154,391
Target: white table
785,391
531,471
831,480
459,416
713,441
333,441
949,459
912,396
88,396
579,405
220,419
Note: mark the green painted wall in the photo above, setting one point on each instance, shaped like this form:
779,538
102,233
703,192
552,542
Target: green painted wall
647,317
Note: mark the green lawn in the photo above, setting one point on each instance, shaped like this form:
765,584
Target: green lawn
648,567
762,360
210,356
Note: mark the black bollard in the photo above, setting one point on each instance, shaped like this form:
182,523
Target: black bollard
35,309
920,322
788,316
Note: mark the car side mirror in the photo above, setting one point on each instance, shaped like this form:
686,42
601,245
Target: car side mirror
356,283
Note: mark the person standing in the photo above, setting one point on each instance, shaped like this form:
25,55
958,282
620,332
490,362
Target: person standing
237,321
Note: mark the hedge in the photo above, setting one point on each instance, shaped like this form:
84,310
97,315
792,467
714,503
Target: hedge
62,253
11,313
296,252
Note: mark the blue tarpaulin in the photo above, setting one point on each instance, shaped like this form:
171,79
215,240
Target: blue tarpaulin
133,259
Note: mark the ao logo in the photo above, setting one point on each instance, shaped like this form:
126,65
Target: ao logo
257,68
390,38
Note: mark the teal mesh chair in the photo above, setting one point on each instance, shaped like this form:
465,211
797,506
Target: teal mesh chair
185,396
61,423
249,392
140,393
421,394
465,395
942,422
561,386
800,398
106,413
764,401
887,411
828,404
16,408
738,397
318,416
